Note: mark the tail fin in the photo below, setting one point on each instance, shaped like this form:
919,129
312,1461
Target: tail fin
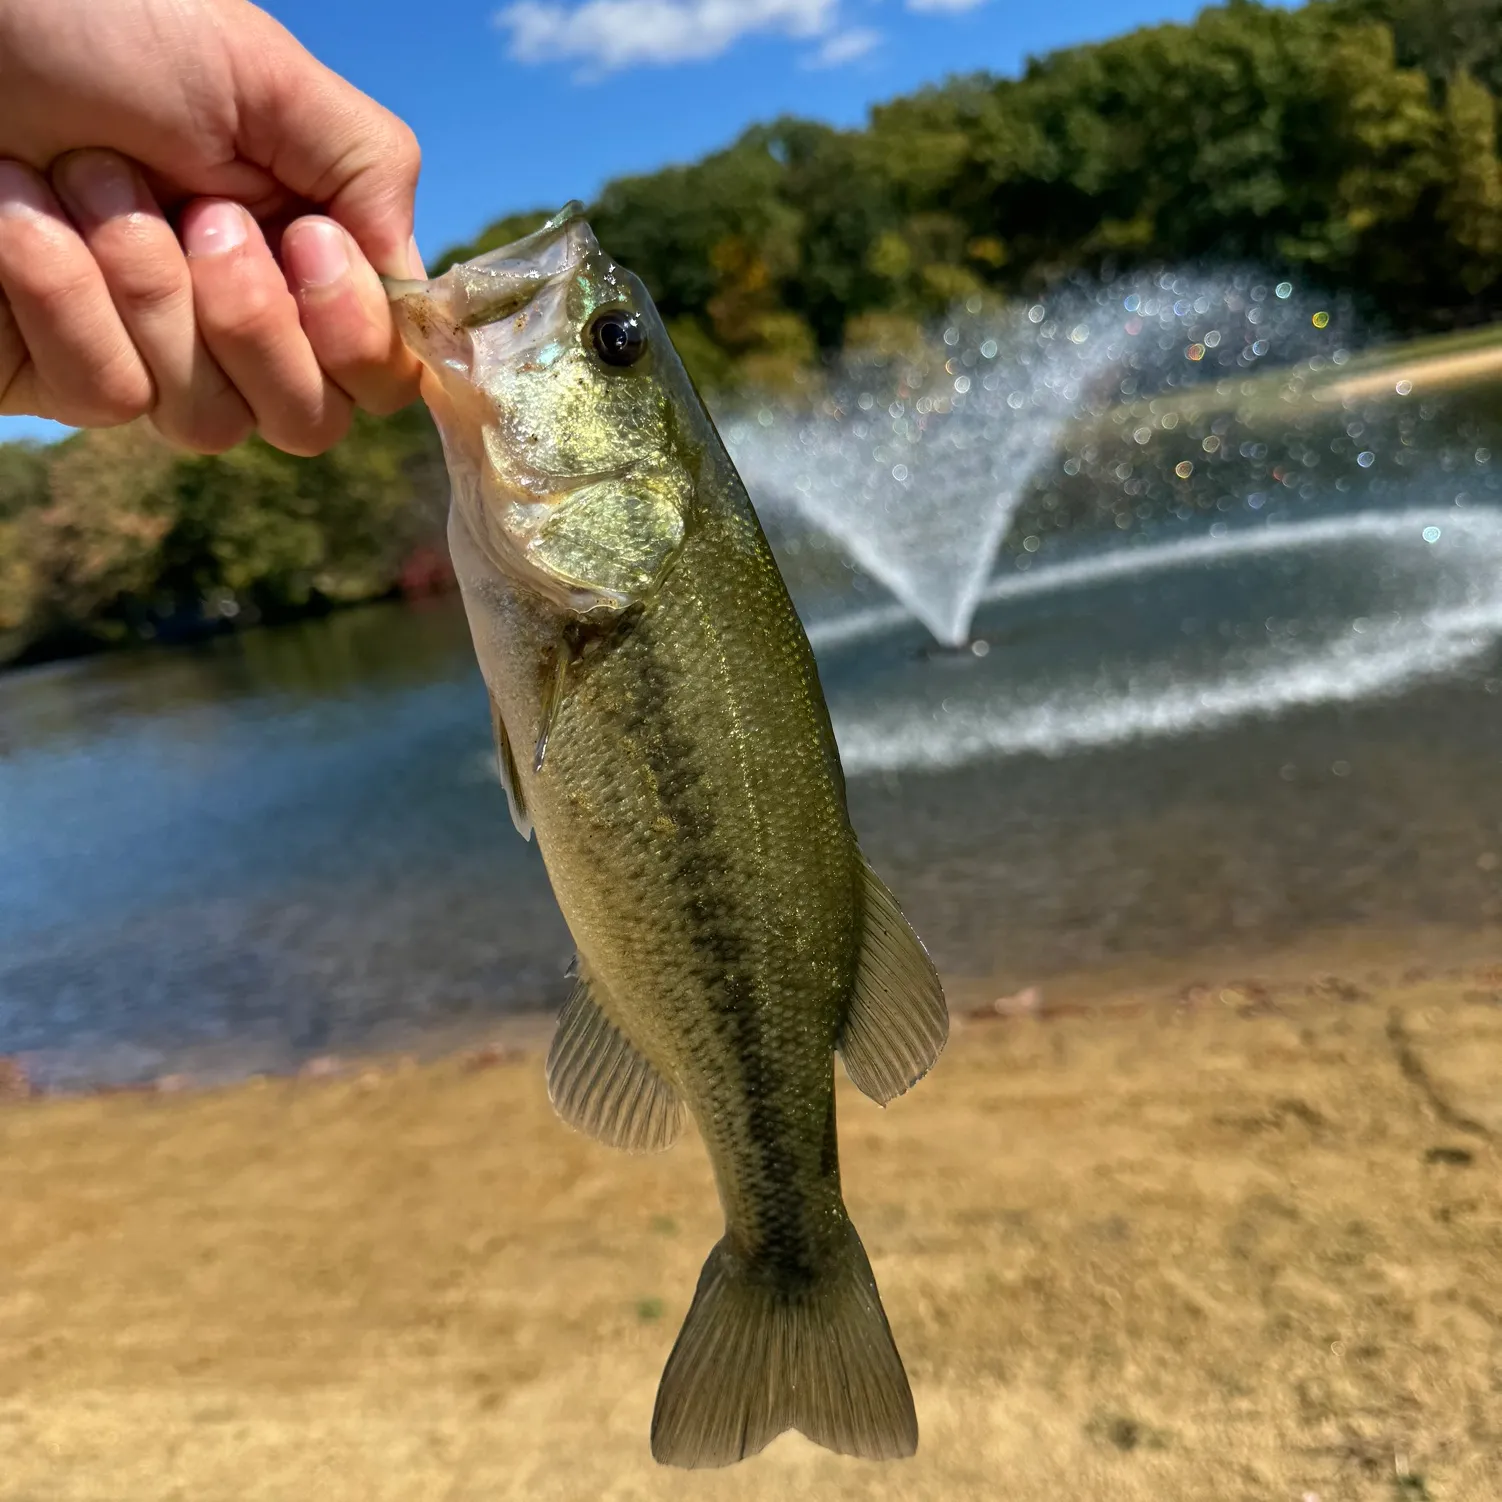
753,1359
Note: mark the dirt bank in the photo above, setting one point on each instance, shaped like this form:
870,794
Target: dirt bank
1230,1236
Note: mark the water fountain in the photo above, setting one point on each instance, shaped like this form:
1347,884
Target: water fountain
1086,469
917,466
917,470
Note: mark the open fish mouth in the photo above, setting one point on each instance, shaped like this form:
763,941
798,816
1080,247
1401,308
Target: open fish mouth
505,281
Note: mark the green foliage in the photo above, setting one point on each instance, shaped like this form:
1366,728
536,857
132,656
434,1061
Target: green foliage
1440,37
23,478
1295,138
259,523
1471,205
23,492
112,536
1353,142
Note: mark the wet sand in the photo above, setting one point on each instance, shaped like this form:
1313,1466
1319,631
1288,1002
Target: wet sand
1212,1230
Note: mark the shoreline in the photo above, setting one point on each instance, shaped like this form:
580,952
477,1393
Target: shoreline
26,656
1230,1232
1343,964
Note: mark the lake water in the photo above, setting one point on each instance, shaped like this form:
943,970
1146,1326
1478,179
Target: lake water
1228,677
291,843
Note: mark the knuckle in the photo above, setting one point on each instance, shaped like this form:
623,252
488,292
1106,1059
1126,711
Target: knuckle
50,277
255,312
119,391
396,152
147,293
109,416
12,345
406,153
383,403
208,416
336,426
342,334
42,260
314,436
113,405
387,398
212,431
149,278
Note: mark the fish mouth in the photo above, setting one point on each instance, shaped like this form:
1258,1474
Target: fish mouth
499,282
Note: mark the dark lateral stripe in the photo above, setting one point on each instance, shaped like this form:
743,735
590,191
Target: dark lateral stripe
724,966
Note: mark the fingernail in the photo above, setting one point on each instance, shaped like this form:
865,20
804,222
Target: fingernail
97,186
21,190
414,259
317,254
214,228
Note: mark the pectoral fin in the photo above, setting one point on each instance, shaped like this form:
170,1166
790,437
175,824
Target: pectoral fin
601,1084
552,702
506,765
897,1023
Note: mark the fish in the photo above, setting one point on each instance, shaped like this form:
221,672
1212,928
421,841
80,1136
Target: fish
660,727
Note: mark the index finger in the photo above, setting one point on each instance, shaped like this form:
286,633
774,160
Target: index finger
332,146
347,316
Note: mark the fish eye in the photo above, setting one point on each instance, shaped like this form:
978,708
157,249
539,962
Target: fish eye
617,337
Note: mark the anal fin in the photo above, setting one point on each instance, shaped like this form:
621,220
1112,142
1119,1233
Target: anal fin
506,765
600,1083
897,1023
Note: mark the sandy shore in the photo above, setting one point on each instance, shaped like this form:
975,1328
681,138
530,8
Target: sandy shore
1230,1235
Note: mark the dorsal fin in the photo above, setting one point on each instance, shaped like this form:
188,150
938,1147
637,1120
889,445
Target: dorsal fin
505,763
600,1083
897,1023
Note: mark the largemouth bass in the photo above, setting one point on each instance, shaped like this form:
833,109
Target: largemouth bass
659,724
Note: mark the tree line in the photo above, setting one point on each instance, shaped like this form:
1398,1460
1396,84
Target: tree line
1350,143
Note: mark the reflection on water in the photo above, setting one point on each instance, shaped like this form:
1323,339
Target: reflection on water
1248,713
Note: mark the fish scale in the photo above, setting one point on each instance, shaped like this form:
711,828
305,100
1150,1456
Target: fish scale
729,1007
661,729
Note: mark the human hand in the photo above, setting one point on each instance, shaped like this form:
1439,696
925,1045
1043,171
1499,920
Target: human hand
120,113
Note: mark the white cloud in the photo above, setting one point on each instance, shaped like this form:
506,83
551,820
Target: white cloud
605,35
951,7
844,47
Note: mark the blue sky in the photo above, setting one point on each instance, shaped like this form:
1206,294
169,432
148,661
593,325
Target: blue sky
528,103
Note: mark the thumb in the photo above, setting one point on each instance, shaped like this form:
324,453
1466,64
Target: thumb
328,144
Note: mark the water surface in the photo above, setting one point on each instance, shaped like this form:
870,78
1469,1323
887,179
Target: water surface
244,854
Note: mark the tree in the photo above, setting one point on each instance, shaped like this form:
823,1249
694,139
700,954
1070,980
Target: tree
1352,141
1471,205
1442,37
